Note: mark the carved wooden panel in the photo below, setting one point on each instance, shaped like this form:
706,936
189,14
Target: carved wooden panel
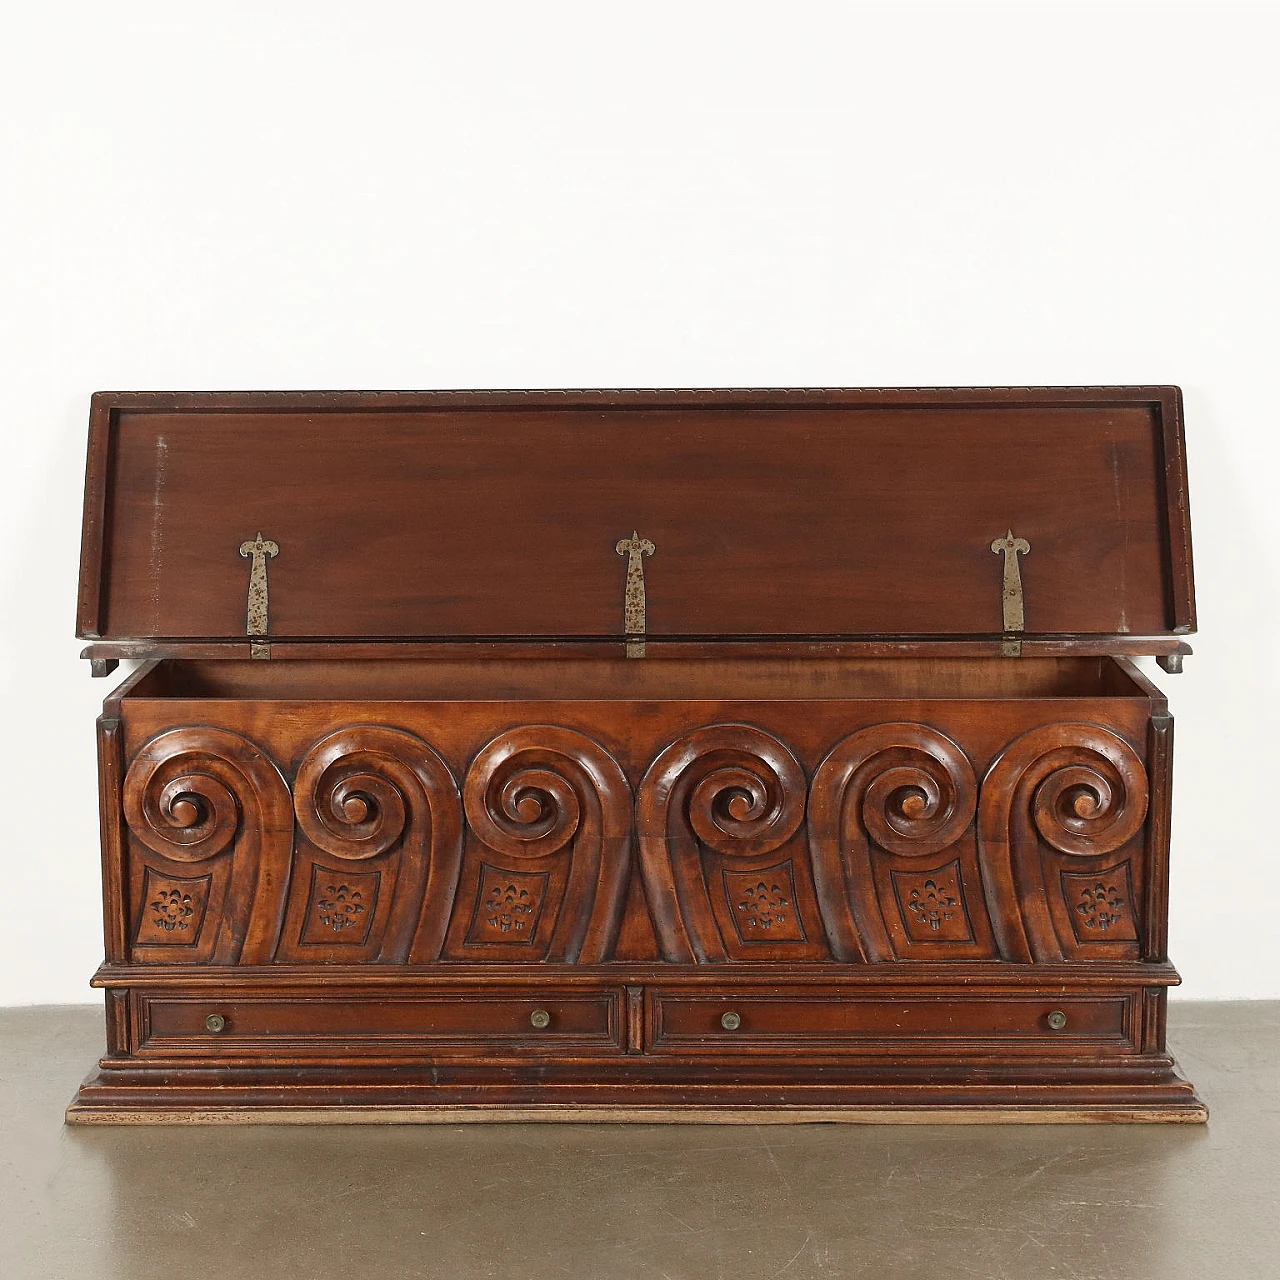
1100,905
376,866
894,856
932,905
715,814
173,909
548,850
211,829
341,908
1055,806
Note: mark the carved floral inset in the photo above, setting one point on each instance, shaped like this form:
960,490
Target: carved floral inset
508,909
932,905
1100,906
510,903
339,906
173,910
764,906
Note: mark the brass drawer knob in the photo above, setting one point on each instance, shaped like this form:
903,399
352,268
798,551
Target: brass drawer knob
730,1021
1057,1020
215,1023
540,1018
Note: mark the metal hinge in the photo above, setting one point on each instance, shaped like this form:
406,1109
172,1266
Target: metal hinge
635,548
258,617
1014,613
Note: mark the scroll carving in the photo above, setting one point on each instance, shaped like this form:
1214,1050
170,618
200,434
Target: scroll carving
712,813
210,797
383,826
1054,805
884,805
551,810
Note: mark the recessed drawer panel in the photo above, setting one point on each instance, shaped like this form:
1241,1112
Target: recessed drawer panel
809,1020
525,1022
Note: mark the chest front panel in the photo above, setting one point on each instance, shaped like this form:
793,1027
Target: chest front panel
691,832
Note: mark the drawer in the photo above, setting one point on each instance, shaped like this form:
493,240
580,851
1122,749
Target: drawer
525,1022
822,1021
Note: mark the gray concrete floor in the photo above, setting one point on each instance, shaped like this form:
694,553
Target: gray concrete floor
599,1202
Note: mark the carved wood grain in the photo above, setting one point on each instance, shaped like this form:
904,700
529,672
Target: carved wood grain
1155,932
1063,796
726,797
115,915
545,805
200,795
888,797
380,812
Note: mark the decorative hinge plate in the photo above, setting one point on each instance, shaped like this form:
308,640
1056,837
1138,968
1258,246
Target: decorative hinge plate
1013,608
635,548
258,615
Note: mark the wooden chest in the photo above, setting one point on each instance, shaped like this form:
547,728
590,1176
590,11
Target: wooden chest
663,755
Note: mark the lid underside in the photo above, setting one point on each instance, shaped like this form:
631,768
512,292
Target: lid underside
843,515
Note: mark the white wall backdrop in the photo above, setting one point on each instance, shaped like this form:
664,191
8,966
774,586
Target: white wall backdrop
378,195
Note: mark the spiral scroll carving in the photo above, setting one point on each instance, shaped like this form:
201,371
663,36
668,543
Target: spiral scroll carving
366,791
732,787
1080,789
351,787
904,788
1091,809
540,792
524,797
191,794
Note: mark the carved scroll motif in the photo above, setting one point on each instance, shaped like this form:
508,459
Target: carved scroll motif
713,812
1054,805
548,850
381,810
884,806
207,796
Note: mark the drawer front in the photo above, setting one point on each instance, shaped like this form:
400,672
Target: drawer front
524,1022
812,1020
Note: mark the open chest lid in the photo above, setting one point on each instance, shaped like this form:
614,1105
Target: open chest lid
283,524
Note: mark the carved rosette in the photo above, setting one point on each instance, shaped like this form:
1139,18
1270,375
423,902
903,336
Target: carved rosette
549,847
1054,805
207,796
714,806
382,808
890,792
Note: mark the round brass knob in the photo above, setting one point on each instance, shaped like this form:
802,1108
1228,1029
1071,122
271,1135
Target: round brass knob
730,1021
215,1022
540,1018
1057,1020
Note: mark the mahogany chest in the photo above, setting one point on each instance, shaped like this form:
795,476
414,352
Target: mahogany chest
759,755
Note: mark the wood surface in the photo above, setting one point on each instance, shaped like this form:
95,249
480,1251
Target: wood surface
774,514
848,857
1190,1113
834,849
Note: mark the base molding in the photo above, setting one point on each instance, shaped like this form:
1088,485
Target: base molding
86,1114
1167,1098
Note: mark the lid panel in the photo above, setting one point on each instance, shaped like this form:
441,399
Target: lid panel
438,516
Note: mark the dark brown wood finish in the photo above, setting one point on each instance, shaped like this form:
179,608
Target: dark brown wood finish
528,494
896,871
